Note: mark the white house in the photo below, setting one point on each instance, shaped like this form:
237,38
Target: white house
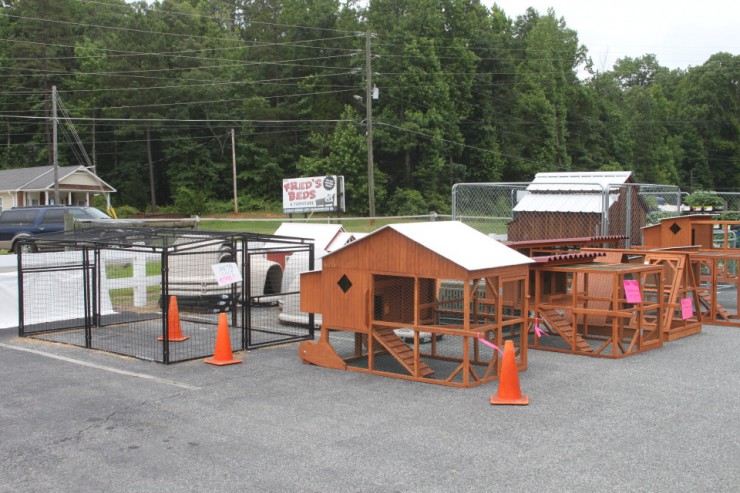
35,186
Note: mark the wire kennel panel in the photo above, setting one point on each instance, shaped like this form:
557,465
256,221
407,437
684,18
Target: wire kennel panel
271,293
54,293
154,295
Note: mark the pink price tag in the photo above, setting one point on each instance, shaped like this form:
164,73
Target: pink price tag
632,291
687,308
538,332
492,345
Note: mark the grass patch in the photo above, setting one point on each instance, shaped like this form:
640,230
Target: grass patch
489,226
240,226
125,296
119,271
270,226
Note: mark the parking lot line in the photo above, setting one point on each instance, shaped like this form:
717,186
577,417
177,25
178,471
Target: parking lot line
101,367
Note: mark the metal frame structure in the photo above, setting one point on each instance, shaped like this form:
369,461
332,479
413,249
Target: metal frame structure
112,289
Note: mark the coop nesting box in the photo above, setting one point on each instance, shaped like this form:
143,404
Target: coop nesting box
413,301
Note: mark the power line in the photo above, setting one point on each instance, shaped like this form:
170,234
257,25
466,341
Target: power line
165,120
114,53
275,81
223,19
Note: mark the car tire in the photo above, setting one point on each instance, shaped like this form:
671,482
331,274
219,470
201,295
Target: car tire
25,247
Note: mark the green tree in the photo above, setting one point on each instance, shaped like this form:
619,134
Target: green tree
545,78
344,152
40,38
708,101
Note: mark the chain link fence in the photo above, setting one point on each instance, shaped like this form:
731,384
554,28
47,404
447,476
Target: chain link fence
731,204
558,209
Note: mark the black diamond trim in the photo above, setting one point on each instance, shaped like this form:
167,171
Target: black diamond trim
675,228
344,283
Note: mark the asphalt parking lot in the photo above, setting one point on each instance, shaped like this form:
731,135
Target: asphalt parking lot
76,420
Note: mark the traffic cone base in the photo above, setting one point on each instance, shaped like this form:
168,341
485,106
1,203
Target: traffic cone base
522,401
508,381
222,354
174,339
214,361
174,330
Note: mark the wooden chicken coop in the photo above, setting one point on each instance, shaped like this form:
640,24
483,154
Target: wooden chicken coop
599,309
714,249
422,301
682,316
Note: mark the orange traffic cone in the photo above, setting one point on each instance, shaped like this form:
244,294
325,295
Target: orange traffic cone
508,381
222,352
174,331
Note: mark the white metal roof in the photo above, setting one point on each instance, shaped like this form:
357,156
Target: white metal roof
563,202
578,181
342,239
322,235
461,244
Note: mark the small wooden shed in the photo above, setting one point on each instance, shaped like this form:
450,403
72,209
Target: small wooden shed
578,204
420,301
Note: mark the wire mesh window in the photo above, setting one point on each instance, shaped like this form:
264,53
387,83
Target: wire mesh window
154,294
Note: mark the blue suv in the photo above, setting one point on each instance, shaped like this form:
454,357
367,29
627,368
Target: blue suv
24,222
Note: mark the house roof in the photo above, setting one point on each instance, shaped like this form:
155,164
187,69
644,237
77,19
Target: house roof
458,243
40,177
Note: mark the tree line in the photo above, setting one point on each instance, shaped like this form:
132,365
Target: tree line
465,93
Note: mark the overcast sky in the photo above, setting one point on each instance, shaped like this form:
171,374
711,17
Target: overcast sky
678,32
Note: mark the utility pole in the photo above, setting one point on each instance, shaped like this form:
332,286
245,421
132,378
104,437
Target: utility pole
151,169
369,120
55,155
233,171
94,157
